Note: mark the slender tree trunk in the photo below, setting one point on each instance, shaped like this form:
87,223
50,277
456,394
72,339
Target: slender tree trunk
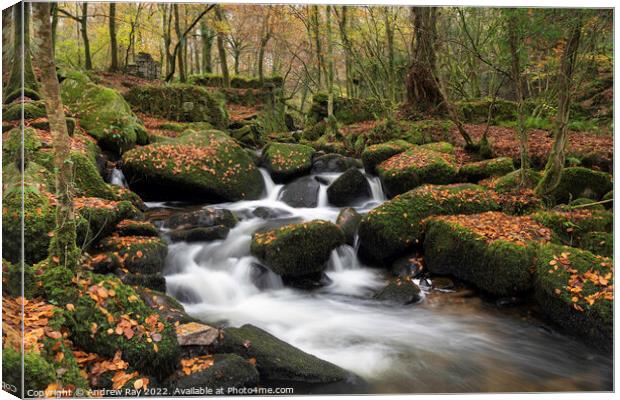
88,63
22,58
54,25
222,49
236,57
332,123
181,39
132,34
166,19
265,37
555,163
316,23
517,78
343,24
207,43
389,33
113,44
7,45
63,249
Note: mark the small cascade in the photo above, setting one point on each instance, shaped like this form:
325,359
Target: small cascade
118,178
271,188
375,188
322,201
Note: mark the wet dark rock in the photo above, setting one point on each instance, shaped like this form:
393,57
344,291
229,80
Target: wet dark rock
350,188
150,281
217,232
166,306
270,213
277,360
322,180
508,302
106,263
442,283
228,371
401,291
261,276
302,192
206,217
333,163
407,267
307,282
348,220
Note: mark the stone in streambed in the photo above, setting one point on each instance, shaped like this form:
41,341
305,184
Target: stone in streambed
166,306
407,266
297,250
377,153
203,218
148,281
286,161
198,165
348,221
218,232
349,188
400,290
277,360
333,163
140,254
301,193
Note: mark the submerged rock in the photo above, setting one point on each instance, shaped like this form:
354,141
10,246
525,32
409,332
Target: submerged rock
297,250
204,218
217,232
286,161
277,360
350,188
401,291
408,266
202,165
333,163
348,221
302,192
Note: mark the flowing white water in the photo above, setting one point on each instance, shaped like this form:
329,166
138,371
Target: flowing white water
430,347
118,178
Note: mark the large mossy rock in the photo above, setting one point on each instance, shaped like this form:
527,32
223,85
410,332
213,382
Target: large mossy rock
575,289
227,371
38,373
395,226
38,213
415,167
31,110
377,153
108,316
286,161
277,360
512,181
333,163
578,182
102,112
477,110
180,102
477,171
301,193
348,189
492,250
139,254
205,165
99,217
297,250
347,110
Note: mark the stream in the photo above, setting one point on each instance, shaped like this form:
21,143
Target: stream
452,341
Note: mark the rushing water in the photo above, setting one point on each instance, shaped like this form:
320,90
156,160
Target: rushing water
450,342
118,178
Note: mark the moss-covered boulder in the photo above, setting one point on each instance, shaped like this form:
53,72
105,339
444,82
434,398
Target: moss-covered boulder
99,217
347,110
415,167
395,226
512,181
220,371
601,243
31,110
38,373
132,227
441,147
348,189
14,141
277,360
575,289
400,291
477,110
180,102
495,167
140,254
286,161
377,153
38,213
579,182
108,316
205,165
102,112
492,250
297,250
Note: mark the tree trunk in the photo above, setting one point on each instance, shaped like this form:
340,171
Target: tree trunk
7,45
265,37
236,57
113,44
316,23
132,33
181,39
21,57
343,24
555,163
517,78
331,119
88,63
207,43
54,25
166,19
63,250
423,93
389,33
222,49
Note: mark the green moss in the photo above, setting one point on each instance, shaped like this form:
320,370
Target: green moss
477,111
582,202
12,146
297,249
39,213
236,81
476,171
396,225
180,102
152,350
346,110
204,164
593,321
130,227
441,147
140,254
609,197
500,267
579,182
571,226
315,131
88,181
38,373
102,112
376,154
12,285
32,110
99,218
510,181
286,161
601,243
414,167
